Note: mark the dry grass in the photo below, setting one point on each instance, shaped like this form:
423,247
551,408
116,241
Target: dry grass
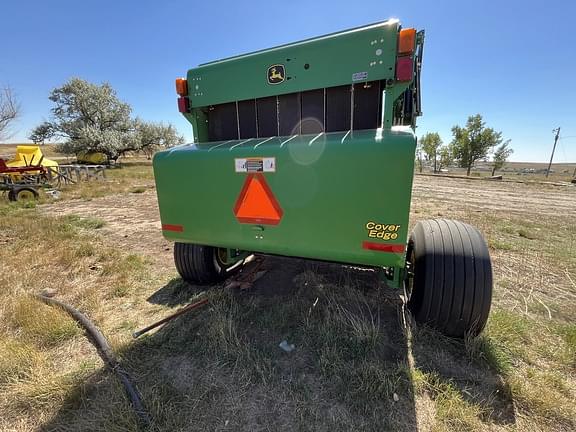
40,324
355,366
44,358
452,411
18,360
529,340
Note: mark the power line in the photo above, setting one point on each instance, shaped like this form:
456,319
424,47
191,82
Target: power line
563,151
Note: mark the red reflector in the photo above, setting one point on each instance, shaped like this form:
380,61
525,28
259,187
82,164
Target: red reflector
183,104
383,247
404,69
256,203
175,228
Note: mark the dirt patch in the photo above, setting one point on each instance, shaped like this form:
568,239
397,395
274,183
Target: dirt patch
460,196
132,223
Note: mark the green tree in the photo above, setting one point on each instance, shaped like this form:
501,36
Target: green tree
91,118
419,155
431,142
473,142
41,133
500,157
445,158
152,136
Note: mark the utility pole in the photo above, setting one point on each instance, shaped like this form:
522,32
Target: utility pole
557,130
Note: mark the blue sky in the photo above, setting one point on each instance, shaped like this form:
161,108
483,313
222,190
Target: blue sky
512,61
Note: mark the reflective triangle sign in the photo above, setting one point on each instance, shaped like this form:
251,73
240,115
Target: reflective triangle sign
256,203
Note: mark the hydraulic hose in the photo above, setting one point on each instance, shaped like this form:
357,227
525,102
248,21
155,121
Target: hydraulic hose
105,351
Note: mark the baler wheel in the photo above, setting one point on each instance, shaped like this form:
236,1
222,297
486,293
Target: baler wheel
450,277
199,264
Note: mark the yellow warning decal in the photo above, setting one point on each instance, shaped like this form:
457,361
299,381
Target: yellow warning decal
382,231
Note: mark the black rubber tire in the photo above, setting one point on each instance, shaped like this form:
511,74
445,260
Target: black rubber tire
198,264
16,194
451,284
25,194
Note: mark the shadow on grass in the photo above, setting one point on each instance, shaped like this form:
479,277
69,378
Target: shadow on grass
454,370
220,367
176,292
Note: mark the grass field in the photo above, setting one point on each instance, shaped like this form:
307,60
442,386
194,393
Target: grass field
359,363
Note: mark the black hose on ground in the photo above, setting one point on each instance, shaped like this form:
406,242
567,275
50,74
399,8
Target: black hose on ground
105,352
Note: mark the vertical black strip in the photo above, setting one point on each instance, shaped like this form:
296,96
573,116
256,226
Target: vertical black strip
324,105
312,111
381,87
366,105
237,120
247,119
352,102
338,110
222,122
289,114
267,109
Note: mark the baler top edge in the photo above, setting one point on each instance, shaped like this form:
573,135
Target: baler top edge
387,22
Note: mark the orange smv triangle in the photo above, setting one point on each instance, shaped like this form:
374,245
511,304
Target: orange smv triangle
256,203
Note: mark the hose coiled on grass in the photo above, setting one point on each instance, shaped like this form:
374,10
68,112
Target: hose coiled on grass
105,351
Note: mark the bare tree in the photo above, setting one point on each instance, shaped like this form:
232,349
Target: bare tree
9,111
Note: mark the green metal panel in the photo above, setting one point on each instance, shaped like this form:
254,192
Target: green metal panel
344,196
329,186
357,55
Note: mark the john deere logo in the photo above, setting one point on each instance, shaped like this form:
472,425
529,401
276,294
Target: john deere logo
276,74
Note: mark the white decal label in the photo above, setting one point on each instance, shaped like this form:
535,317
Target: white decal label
257,164
360,76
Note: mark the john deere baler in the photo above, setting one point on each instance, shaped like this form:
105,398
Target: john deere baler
303,150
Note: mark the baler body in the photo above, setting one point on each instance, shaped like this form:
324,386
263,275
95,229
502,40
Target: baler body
303,150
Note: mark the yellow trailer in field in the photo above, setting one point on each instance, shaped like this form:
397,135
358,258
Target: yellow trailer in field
93,158
26,173
31,156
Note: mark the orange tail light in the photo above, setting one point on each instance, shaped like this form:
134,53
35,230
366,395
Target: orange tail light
406,41
181,86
